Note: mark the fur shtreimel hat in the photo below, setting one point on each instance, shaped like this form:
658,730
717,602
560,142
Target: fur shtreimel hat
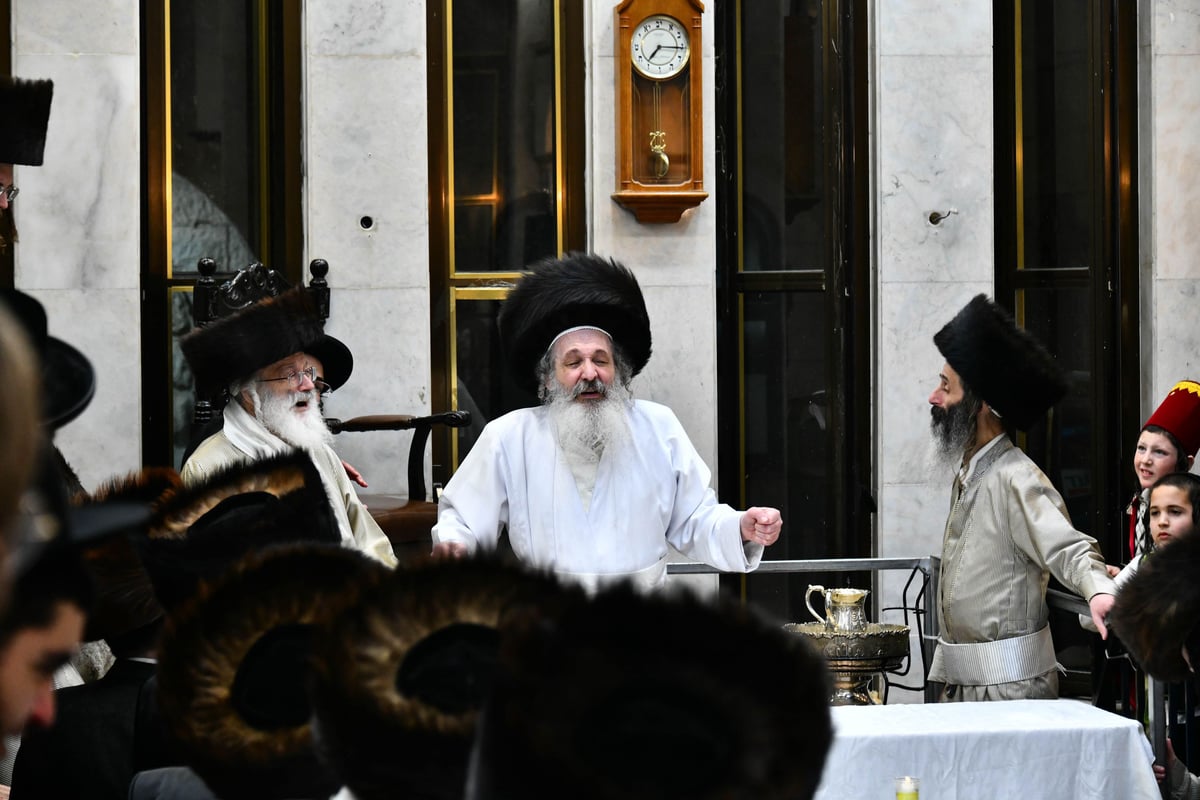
233,670
125,599
623,687
400,681
1179,415
577,290
1003,364
1158,611
26,107
235,347
198,532
68,379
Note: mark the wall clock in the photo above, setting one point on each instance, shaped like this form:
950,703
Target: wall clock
659,80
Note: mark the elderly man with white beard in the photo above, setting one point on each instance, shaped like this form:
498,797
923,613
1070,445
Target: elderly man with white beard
276,360
592,484
1008,528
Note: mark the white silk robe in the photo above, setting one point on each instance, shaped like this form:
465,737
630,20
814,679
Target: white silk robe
650,492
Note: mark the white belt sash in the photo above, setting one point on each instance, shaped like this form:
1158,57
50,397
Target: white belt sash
1003,661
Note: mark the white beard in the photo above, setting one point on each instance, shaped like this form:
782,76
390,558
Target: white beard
585,429
277,413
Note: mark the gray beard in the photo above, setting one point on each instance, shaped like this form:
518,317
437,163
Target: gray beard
586,429
952,432
277,414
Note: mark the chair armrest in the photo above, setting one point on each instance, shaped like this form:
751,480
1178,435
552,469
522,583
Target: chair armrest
420,427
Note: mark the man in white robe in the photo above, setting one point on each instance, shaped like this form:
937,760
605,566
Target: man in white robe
268,356
592,484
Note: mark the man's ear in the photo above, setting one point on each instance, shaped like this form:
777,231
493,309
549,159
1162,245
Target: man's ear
1191,460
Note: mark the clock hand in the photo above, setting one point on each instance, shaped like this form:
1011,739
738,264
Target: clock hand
652,55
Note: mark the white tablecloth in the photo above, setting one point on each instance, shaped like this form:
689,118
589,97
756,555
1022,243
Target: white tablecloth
1054,749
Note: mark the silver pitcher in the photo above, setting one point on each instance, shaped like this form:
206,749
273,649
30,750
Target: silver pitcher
845,609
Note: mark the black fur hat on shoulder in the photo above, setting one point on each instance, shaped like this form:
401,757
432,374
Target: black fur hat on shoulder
1004,365
620,688
198,532
401,679
233,669
235,347
26,107
1158,611
578,289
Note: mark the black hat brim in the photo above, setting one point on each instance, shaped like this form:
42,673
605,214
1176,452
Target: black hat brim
336,358
69,381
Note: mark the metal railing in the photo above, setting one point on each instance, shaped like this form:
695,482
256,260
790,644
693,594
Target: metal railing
928,565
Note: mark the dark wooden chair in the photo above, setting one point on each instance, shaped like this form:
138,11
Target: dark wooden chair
405,519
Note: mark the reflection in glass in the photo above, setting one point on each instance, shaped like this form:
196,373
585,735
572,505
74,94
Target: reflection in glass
1062,446
787,434
216,202
183,385
504,134
783,139
484,385
1056,131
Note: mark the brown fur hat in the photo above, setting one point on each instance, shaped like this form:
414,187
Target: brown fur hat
1004,365
578,289
235,347
627,685
26,107
197,532
233,669
400,681
125,599
1158,610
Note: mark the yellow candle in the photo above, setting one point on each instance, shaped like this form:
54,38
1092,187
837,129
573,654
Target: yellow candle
907,788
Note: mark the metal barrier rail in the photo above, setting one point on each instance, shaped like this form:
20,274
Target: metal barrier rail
930,567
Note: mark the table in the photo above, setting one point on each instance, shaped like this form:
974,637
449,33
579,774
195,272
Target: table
1045,749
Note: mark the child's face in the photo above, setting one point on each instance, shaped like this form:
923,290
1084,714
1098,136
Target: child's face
1153,457
1170,514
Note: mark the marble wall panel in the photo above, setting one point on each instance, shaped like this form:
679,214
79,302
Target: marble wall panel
367,157
1176,27
366,27
106,439
1176,163
929,27
1175,350
71,27
390,342
935,155
78,212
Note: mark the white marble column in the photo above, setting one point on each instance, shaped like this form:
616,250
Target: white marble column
932,152
366,155
79,213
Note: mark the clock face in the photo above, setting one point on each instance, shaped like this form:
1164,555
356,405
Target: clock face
660,47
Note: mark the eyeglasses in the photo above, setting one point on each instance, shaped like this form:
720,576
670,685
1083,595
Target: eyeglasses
10,193
295,379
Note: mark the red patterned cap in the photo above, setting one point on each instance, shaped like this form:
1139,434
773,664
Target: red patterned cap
1179,415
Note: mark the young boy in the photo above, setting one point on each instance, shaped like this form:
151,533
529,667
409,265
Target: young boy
1174,507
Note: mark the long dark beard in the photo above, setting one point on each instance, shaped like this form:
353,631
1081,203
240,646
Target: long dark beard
954,429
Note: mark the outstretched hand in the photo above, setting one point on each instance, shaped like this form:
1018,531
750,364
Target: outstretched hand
761,525
443,550
1101,604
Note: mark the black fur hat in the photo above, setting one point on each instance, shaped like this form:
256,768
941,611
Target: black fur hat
400,680
620,689
125,598
1158,610
233,669
235,347
198,531
26,107
1004,365
578,289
